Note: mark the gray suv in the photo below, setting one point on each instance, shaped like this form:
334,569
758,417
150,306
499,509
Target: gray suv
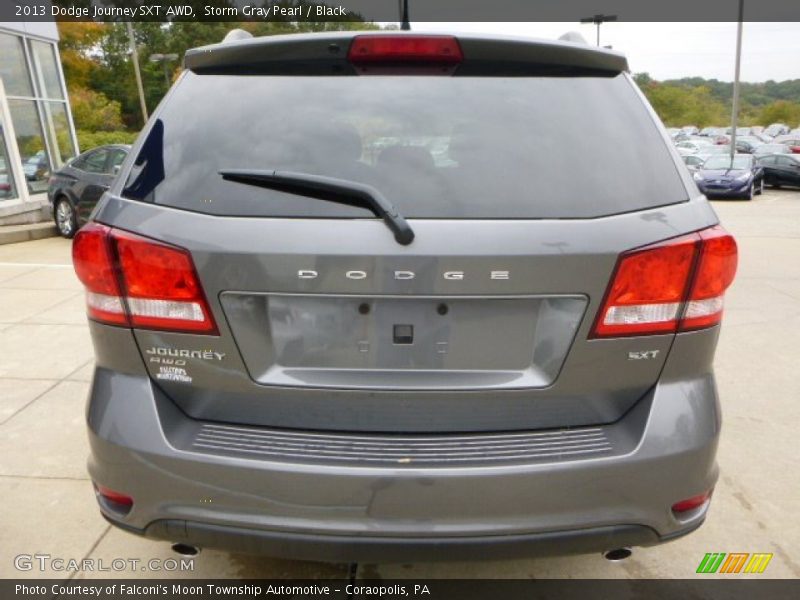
390,297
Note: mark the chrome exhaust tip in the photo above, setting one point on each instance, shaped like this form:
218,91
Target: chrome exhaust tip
617,554
185,549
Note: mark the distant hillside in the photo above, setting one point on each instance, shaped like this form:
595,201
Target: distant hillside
704,102
757,94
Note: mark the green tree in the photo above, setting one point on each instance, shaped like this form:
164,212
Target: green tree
781,111
93,111
112,69
703,102
78,47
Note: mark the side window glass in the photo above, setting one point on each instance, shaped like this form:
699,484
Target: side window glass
96,162
117,156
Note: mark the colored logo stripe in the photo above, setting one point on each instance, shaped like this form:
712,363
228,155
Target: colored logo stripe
711,562
735,562
758,562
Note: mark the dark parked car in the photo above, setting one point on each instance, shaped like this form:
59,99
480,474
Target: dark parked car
453,346
748,146
76,187
781,169
721,177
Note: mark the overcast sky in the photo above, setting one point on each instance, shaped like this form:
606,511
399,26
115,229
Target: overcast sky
674,50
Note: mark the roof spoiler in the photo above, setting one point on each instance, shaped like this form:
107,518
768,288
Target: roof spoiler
321,53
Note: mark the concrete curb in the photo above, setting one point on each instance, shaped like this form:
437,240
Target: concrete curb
13,234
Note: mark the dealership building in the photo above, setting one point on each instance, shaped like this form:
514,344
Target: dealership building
36,130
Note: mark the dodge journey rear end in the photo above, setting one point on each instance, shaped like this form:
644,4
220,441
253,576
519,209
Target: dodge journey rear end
404,297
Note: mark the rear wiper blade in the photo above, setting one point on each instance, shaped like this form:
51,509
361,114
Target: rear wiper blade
331,189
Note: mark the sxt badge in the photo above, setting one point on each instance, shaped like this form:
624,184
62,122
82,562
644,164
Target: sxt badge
643,354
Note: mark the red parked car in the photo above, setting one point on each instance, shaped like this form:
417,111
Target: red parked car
792,141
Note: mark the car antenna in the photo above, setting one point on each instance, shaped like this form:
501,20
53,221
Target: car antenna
405,24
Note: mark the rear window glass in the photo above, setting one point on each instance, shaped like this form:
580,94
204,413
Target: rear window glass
437,147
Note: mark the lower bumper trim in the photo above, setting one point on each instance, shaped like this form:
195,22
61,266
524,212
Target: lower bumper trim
330,548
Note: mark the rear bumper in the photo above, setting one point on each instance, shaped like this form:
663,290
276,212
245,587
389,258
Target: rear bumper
364,548
351,511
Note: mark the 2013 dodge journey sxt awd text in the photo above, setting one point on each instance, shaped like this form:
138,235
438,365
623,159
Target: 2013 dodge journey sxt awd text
389,296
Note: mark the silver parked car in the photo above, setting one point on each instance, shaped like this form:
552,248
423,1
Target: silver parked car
450,345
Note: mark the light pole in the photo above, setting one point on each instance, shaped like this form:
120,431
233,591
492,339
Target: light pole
164,59
135,57
405,24
599,20
735,110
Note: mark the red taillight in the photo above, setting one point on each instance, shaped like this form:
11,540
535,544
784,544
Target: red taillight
691,503
442,49
671,286
131,280
714,274
94,265
647,289
161,287
114,496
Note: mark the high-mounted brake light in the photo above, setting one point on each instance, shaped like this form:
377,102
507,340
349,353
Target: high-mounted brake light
670,286
441,49
131,280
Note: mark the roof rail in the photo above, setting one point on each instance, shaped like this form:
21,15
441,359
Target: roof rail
574,37
234,35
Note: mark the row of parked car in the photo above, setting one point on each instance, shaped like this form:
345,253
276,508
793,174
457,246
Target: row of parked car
764,156
722,135
775,139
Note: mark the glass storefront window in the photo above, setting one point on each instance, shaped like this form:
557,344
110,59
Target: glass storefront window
8,190
39,115
30,141
13,70
45,58
59,136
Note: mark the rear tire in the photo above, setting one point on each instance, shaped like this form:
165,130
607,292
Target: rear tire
65,218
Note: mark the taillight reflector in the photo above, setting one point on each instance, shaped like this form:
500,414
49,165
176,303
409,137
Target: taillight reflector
114,496
442,49
136,281
691,503
670,286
